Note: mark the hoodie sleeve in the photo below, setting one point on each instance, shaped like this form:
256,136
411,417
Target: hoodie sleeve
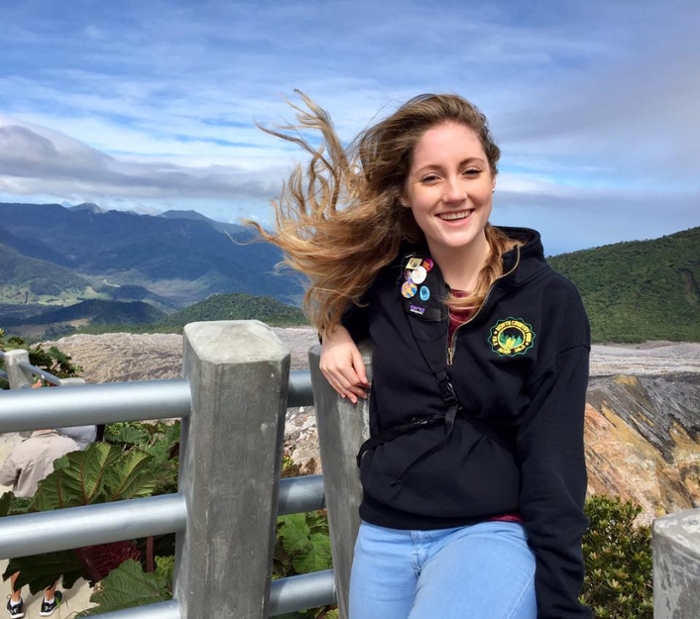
355,320
550,454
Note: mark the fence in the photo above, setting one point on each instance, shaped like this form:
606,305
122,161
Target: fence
232,402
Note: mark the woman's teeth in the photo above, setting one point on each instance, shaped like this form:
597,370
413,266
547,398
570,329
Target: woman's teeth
454,216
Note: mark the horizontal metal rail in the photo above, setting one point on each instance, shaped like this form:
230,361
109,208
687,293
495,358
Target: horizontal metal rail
36,533
159,610
54,380
300,393
288,595
24,409
301,494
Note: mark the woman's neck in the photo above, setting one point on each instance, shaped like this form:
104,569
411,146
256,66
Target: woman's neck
460,266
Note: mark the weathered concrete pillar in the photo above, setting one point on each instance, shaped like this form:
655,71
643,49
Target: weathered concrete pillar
19,378
230,460
342,427
72,382
676,552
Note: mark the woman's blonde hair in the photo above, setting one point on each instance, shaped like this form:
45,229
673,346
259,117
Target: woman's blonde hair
339,220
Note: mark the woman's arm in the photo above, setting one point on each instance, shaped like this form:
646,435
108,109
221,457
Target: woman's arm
341,363
550,454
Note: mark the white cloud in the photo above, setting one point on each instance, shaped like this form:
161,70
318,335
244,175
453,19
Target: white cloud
592,103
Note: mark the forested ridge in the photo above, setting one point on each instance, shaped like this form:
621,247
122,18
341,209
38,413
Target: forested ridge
640,290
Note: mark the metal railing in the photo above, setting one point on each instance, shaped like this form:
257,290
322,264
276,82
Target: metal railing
37,533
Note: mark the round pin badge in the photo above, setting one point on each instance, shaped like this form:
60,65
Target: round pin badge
428,264
424,293
418,276
409,289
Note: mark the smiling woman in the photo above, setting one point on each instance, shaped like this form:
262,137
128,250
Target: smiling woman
474,474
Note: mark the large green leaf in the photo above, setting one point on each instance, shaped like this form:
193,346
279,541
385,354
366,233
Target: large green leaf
41,571
125,587
317,556
132,478
130,434
294,533
11,505
100,474
78,478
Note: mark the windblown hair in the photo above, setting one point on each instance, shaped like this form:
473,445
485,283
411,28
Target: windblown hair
339,220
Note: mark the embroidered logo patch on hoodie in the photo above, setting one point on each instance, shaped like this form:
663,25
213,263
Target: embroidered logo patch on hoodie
511,336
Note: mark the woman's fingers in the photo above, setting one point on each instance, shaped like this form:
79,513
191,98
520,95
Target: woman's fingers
341,363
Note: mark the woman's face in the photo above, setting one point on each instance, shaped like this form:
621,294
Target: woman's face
449,188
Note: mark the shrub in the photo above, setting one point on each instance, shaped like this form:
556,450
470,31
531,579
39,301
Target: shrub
618,583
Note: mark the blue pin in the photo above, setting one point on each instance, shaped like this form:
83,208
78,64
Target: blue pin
424,293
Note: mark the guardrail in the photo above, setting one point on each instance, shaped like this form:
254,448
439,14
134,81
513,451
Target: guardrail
232,402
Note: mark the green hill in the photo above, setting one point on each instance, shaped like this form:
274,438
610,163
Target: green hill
30,280
640,290
97,311
238,307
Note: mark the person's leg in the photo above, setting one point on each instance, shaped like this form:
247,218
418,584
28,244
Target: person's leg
383,579
16,593
49,592
484,571
15,605
52,600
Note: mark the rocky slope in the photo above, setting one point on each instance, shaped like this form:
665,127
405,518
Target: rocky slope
642,417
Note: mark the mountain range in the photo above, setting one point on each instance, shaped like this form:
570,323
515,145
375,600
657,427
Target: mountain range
59,256
179,257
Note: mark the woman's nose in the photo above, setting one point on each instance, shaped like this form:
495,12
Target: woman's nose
455,190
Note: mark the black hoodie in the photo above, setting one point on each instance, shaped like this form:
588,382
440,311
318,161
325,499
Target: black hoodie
519,368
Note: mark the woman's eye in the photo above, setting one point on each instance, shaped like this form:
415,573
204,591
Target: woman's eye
471,171
429,178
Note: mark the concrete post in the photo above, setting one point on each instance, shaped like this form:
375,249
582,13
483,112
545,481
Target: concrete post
342,427
676,554
72,382
230,459
19,378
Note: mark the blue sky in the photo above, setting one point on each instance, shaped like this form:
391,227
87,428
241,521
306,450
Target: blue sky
151,105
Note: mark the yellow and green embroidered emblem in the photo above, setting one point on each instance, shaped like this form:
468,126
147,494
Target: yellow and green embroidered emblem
511,336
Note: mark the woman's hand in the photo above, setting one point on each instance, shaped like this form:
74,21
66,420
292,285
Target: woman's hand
341,363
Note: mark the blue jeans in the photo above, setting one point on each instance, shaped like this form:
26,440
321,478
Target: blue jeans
482,571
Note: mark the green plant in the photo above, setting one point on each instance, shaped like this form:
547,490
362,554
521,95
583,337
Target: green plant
618,582
161,440
52,360
128,586
100,474
303,542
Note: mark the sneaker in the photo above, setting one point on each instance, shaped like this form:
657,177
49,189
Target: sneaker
16,611
47,608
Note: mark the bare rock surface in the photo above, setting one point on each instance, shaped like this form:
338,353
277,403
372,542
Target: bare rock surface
116,357
651,358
